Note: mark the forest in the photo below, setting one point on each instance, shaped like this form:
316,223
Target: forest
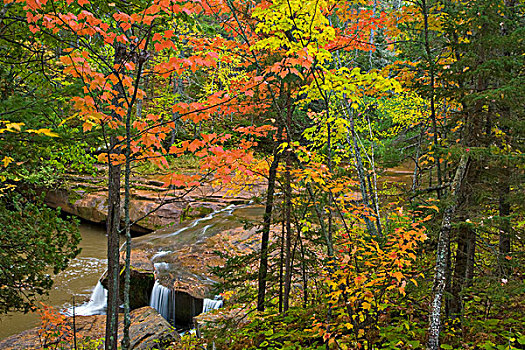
387,138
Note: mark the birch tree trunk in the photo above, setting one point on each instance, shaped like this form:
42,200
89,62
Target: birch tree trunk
439,286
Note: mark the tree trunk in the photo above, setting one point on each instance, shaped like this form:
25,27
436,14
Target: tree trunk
113,224
433,117
281,266
462,267
360,171
505,228
265,236
288,238
439,286
113,230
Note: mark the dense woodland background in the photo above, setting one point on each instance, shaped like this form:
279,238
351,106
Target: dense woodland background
318,98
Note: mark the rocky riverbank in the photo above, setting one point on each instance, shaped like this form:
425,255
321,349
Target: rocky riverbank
152,206
148,331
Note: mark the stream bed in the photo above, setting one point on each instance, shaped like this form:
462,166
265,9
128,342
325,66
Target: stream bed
165,248
78,280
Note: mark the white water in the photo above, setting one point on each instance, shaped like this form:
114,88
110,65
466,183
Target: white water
163,300
161,266
159,254
95,306
229,209
210,304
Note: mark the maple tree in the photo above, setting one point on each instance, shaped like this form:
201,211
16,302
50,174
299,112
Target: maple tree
313,96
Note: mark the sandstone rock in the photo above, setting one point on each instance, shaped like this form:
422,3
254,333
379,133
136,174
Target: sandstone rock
86,197
148,331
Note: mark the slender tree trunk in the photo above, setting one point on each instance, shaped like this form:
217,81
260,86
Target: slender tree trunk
265,236
126,343
439,286
288,213
288,238
373,181
113,229
281,267
433,117
303,268
175,117
127,197
505,227
360,172
462,267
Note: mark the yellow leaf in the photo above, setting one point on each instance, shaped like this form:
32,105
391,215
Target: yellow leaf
15,126
46,132
6,161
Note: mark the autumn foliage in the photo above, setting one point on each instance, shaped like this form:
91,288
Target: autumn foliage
318,99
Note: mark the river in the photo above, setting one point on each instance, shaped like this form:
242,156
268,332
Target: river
78,280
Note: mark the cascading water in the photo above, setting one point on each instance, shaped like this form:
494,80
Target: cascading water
96,305
229,210
163,300
211,304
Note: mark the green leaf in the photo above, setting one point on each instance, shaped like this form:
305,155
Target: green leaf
521,340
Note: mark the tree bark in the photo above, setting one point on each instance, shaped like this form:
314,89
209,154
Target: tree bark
360,171
433,117
113,225
439,286
113,229
504,227
265,236
462,267
288,238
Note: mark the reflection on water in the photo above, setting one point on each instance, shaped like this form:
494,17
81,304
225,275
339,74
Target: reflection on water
78,280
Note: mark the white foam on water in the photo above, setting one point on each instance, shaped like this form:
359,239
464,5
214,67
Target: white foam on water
95,306
211,304
160,253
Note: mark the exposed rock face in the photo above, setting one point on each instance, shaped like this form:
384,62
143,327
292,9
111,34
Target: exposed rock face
141,283
178,256
181,257
148,331
86,197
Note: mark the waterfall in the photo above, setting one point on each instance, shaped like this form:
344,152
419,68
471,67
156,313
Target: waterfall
211,304
96,304
163,300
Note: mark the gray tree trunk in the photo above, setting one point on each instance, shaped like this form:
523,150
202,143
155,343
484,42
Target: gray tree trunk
439,286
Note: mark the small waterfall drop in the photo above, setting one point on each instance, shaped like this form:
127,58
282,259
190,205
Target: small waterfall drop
211,304
96,305
163,300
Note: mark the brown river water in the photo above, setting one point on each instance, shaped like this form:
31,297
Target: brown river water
78,280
